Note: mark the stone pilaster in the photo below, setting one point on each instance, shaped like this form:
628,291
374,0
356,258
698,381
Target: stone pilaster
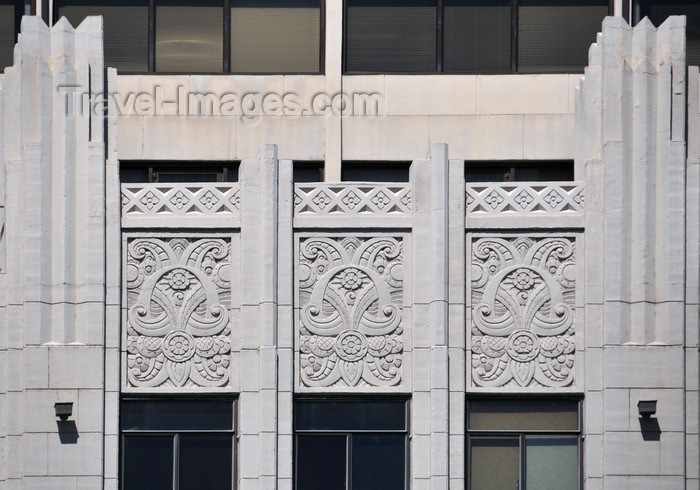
630,133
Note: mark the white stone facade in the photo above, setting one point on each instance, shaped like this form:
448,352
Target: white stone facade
432,290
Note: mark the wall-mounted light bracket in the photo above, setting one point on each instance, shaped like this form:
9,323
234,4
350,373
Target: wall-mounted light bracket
646,408
63,410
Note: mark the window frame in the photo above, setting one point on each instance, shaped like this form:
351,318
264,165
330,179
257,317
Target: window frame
348,433
226,61
175,433
439,53
521,434
225,170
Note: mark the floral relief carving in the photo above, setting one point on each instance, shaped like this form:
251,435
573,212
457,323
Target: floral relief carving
523,295
178,293
351,293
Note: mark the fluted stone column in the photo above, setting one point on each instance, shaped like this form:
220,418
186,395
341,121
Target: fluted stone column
631,146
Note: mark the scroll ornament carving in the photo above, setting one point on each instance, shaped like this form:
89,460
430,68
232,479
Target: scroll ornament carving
351,292
178,296
523,293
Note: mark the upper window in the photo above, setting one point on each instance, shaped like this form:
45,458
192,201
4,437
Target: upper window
171,443
11,12
206,36
539,171
174,172
523,444
470,36
363,444
375,171
659,10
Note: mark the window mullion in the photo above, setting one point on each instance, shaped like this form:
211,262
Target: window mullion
439,41
514,36
152,36
521,483
176,461
227,36
348,462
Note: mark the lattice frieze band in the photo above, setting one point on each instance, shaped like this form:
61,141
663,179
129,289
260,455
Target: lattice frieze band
525,198
522,310
178,296
164,200
354,199
350,328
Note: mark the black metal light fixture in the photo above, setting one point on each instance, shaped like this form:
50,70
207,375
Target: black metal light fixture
63,410
646,408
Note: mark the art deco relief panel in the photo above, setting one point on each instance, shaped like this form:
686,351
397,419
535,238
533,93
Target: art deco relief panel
177,296
350,313
521,303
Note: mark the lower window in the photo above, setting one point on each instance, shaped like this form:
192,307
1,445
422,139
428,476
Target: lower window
169,444
350,444
523,444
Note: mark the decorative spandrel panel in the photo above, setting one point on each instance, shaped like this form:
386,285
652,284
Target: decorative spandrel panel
350,317
522,311
178,321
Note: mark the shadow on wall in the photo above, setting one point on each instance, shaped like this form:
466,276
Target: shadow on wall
650,428
67,431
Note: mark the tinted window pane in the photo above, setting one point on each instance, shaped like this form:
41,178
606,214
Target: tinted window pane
171,177
320,462
125,29
375,171
206,461
350,415
484,452
523,415
154,451
660,12
551,462
554,35
177,415
486,174
476,36
391,36
278,36
308,172
7,35
189,35
378,462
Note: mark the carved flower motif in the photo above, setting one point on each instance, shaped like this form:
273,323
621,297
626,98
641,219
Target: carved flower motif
321,200
179,200
178,346
150,200
351,345
351,200
523,279
380,200
553,198
179,280
351,279
493,199
523,346
523,199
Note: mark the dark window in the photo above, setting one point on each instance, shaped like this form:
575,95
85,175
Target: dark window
182,443
308,171
470,36
125,29
659,10
363,444
375,171
171,172
523,444
206,36
11,12
543,171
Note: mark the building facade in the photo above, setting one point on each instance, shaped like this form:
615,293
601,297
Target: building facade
324,245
